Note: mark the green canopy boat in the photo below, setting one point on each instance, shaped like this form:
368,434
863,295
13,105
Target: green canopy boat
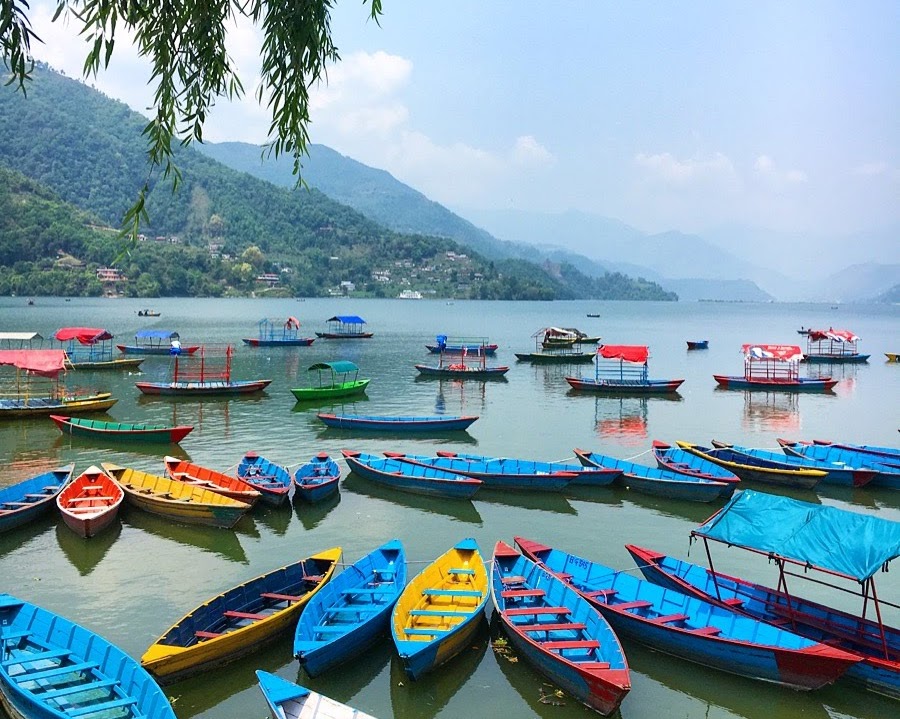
332,379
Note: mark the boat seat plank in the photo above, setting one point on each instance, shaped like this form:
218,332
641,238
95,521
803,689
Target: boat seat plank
598,666
78,688
102,707
355,609
639,604
565,576
18,504
606,593
436,612
231,614
515,593
9,636
434,631
547,627
512,580
280,597
452,592
524,611
69,669
89,499
200,634
733,602
314,578
572,644
457,570
36,657
707,631
36,496
85,510
668,618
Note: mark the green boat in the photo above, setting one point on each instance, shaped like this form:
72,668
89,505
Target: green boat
333,379
120,431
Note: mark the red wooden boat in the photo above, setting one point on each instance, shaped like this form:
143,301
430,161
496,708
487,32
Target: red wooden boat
218,482
90,502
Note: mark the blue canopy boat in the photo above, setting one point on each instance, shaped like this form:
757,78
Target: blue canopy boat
272,480
409,477
53,668
317,479
834,474
658,482
692,629
834,542
287,700
623,369
157,342
345,327
274,333
382,423
886,474
24,501
558,632
352,611
507,467
462,345
675,459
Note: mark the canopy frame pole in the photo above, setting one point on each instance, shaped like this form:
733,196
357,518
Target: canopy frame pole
712,569
782,589
869,585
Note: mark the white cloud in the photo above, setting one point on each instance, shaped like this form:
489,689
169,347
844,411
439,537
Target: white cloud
529,152
667,168
767,169
871,169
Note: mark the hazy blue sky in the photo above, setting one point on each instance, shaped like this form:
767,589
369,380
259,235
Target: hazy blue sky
684,115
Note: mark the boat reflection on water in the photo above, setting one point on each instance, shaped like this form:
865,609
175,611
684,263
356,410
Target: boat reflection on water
461,510
120,452
347,683
278,519
339,436
14,539
624,418
327,404
430,695
214,540
541,501
694,512
311,515
86,554
777,412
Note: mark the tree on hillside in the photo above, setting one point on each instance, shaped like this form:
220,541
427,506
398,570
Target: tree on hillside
185,42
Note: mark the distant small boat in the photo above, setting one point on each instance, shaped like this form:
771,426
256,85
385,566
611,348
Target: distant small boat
697,344
50,662
26,500
409,477
440,610
773,368
272,480
120,431
148,313
156,342
892,356
593,314
345,327
623,369
287,700
803,330
462,345
381,423
317,479
90,502
350,613
833,346
273,333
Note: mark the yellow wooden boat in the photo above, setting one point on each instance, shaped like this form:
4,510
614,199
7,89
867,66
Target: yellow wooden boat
176,500
441,609
892,356
240,620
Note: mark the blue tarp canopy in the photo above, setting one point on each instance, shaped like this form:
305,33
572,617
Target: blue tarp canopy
347,319
854,545
341,366
156,334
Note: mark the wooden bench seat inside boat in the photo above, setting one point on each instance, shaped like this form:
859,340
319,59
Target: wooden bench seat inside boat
639,604
524,611
547,627
280,597
231,614
668,618
515,593
572,644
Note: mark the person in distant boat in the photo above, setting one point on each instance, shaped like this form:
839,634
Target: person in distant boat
175,347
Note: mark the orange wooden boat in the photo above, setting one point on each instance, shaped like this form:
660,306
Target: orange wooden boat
218,482
90,503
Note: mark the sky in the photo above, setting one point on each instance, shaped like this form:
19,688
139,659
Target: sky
685,116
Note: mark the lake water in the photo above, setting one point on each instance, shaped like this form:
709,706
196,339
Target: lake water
132,583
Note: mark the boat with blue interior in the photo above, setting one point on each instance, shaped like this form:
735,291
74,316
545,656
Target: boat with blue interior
833,346
345,327
92,348
157,342
275,333
457,345
774,368
209,376
623,369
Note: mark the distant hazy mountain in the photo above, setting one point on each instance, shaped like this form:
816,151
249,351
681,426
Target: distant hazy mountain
857,283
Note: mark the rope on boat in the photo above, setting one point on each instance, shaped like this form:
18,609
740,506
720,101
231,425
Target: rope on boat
646,451
566,460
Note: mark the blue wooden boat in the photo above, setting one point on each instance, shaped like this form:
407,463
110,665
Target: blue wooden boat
558,632
272,480
441,609
382,423
750,469
287,700
623,369
658,482
461,370
410,477
26,500
462,345
774,368
273,333
833,346
692,629
697,344
834,474
317,479
350,613
52,668
675,459
887,455
862,546
345,327
886,475
494,476
507,467
157,342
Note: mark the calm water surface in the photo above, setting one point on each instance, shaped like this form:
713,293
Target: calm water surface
132,583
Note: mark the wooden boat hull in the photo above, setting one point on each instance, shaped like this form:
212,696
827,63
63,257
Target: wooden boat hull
177,501
483,466
757,472
592,667
892,356
258,612
697,344
345,335
803,384
38,407
675,459
299,342
693,629
342,389
317,480
603,386
90,503
350,613
123,363
836,359
441,609
162,350
109,676
287,700
272,480
218,482
556,357
408,477
203,389
375,423
886,475
473,349
120,431
31,498
815,621
463,373
659,483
